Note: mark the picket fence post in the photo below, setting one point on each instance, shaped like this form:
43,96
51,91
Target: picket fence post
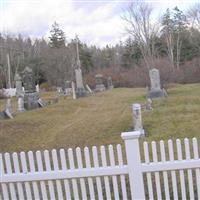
131,140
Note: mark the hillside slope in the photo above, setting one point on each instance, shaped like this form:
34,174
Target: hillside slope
99,119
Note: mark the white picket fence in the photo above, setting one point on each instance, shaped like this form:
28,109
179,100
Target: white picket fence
149,170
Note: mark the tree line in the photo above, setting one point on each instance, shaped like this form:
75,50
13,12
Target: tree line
170,43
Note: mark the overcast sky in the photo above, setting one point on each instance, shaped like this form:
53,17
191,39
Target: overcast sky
95,22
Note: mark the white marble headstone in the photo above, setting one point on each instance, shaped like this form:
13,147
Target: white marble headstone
37,88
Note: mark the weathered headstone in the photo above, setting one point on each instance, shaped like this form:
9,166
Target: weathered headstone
8,105
80,89
21,104
7,113
3,115
41,103
155,90
99,83
8,110
37,88
31,96
68,89
18,85
59,90
73,90
88,88
109,82
149,104
10,92
137,118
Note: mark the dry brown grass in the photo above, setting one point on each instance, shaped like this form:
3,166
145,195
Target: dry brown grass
100,119
92,120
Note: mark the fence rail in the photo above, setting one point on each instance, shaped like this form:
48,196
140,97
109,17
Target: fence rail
169,170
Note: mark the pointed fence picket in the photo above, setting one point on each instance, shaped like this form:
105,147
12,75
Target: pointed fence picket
122,177
98,179
48,169
157,176
80,166
40,169
106,178
165,175
74,181
197,171
88,165
25,170
64,168
181,172
172,170
149,178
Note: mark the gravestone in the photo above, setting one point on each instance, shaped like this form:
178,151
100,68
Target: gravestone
7,113
31,96
3,115
8,105
89,89
149,104
8,110
109,83
73,90
10,92
155,89
80,89
21,104
137,118
59,90
37,88
41,103
68,89
18,85
99,83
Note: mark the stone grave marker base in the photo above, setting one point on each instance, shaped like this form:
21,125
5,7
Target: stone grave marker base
31,100
155,94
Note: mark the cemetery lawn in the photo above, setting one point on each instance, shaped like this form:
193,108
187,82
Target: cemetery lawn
100,119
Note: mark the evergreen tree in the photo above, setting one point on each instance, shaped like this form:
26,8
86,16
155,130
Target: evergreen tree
174,26
85,57
57,38
131,55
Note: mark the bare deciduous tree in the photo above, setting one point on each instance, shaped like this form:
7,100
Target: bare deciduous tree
140,25
174,24
167,31
194,15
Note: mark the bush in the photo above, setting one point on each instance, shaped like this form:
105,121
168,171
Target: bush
139,75
46,87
